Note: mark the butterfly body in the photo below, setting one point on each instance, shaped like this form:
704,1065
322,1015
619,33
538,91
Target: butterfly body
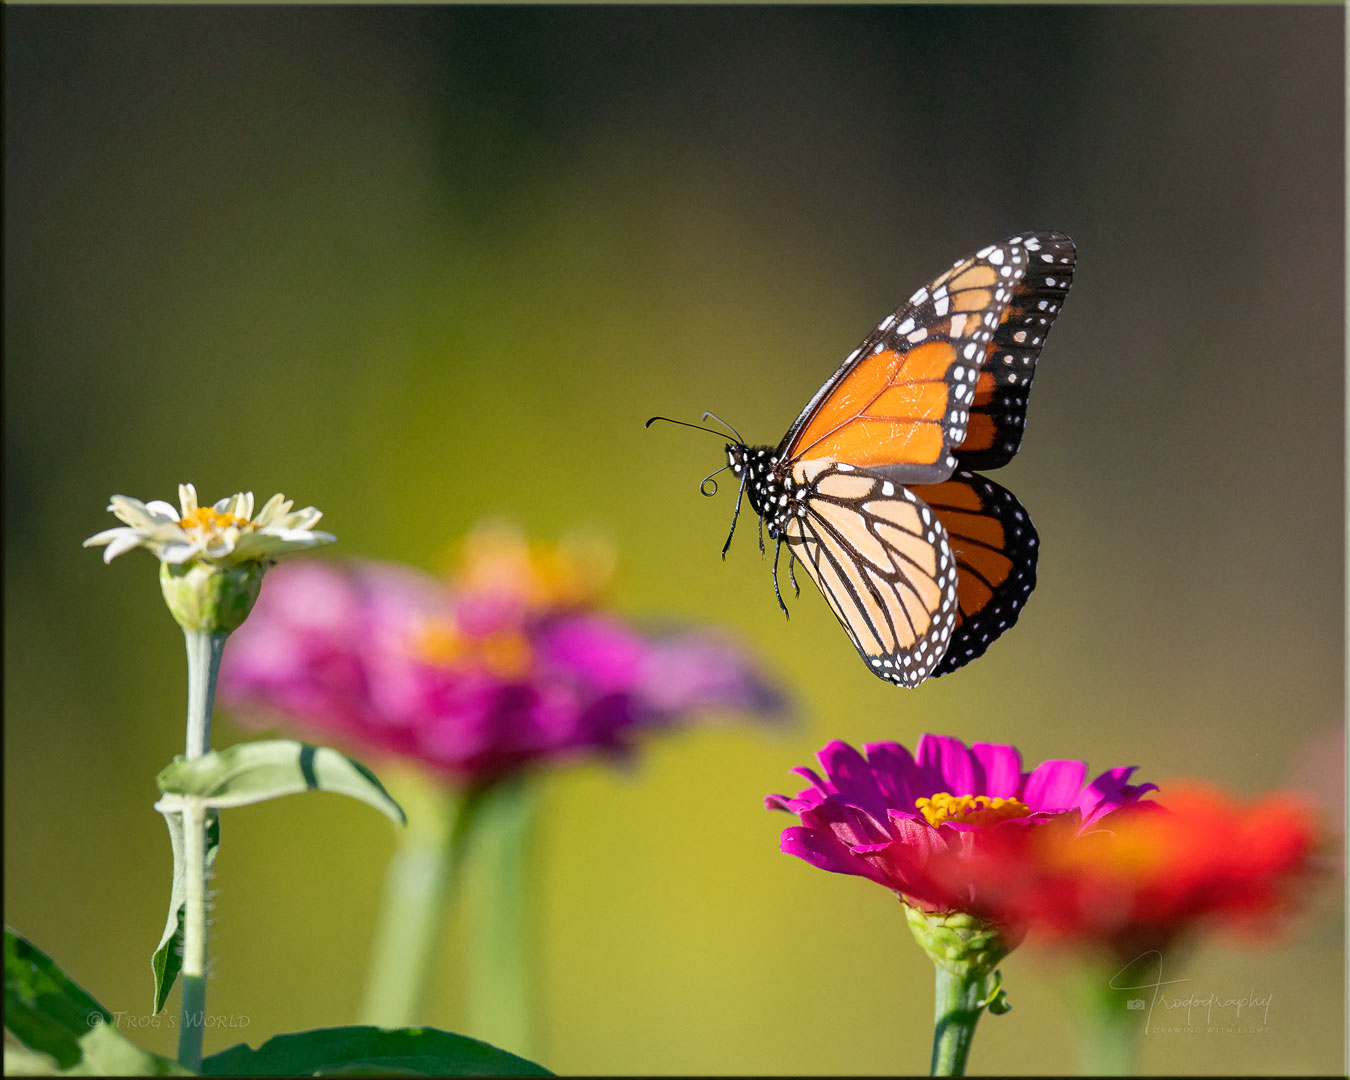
923,561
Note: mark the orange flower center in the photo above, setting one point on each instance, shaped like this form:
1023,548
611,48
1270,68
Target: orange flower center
505,653
969,809
211,520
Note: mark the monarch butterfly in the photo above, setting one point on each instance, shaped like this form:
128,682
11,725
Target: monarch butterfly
922,560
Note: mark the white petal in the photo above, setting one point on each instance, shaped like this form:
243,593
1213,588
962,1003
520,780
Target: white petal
302,519
187,498
107,536
163,510
128,540
170,532
134,512
302,536
176,551
221,545
245,510
275,507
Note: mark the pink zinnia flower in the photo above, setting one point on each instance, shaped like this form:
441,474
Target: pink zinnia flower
914,823
506,665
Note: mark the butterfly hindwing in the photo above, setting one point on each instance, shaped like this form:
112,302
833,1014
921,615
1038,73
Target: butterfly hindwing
901,402
881,559
995,547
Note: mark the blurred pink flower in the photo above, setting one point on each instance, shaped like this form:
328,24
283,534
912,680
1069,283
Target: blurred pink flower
920,824
506,665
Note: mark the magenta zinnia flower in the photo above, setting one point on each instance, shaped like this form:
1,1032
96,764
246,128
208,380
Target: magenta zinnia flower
507,664
910,822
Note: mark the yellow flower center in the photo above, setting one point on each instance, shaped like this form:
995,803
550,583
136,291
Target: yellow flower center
211,520
969,809
498,559
505,653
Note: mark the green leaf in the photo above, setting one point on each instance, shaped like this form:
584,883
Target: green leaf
20,1061
370,1051
253,772
996,998
168,957
50,1014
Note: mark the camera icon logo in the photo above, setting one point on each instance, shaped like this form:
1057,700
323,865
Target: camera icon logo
1135,1004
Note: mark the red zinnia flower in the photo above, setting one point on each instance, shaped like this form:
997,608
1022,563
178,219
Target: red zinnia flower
1143,876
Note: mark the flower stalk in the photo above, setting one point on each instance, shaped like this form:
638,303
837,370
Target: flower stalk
500,950
958,1002
1109,1044
416,898
204,651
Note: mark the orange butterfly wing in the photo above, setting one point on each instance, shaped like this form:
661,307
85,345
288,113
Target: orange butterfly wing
901,402
995,547
998,412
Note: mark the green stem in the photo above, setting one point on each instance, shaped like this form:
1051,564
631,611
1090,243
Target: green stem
416,894
958,1002
500,948
193,1004
204,651
1109,1042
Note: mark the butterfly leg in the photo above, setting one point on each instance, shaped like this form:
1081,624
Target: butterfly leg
734,515
777,548
792,572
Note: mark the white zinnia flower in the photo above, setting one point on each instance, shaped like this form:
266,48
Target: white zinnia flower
225,533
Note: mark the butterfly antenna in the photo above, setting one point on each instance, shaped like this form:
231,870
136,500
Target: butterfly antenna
686,423
713,416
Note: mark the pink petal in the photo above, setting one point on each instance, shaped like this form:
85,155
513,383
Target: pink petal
949,763
1055,785
852,777
824,852
1002,766
896,774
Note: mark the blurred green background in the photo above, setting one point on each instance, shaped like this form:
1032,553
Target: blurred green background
422,266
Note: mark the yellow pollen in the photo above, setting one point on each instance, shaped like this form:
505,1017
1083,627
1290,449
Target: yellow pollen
211,520
969,809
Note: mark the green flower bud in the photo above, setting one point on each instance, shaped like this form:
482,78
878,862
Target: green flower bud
961,943
210,597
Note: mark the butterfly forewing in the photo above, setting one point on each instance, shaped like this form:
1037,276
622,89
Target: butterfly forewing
995,547
998,413
902,400
881,559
